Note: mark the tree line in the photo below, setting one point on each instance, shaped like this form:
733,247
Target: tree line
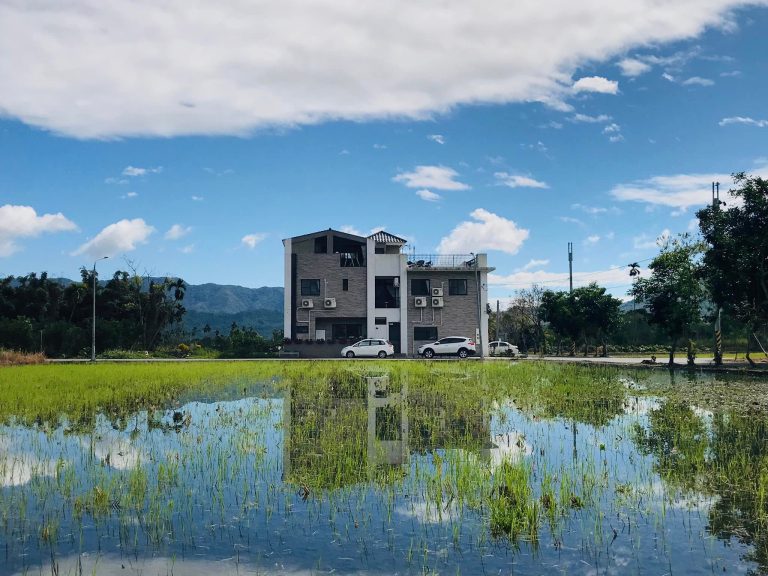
721,273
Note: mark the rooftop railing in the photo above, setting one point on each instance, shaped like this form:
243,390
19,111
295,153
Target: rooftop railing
458,261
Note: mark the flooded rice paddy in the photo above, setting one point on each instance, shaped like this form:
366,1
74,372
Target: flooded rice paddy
380,468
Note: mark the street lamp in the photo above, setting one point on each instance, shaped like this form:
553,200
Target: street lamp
93,324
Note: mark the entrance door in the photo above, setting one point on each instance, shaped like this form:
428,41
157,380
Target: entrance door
394,335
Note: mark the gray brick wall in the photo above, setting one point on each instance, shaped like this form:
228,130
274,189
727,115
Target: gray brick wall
459,314
326,268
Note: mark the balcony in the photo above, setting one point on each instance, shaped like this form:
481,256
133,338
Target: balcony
442,262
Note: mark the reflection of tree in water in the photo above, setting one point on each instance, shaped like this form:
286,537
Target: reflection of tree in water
726,460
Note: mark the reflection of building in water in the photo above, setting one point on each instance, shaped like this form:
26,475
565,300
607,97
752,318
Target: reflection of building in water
364,424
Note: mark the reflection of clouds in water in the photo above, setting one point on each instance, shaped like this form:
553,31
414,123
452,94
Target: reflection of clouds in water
18,468
427,513
106,565
509,447
114,450
680,500
640,406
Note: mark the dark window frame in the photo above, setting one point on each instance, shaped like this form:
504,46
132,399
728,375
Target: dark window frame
425,292
422,330
345,284
380,320
308,289
454,287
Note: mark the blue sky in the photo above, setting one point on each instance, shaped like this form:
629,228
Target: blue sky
189,140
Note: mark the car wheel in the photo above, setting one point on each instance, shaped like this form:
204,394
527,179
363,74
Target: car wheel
350,354
428,353
382,354
463,353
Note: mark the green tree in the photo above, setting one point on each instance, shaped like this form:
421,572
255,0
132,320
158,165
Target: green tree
736,259
674,292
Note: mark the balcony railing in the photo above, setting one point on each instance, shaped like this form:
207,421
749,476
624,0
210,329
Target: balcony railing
456,261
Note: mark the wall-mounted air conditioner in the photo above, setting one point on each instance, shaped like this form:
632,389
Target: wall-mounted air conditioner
307,303
329,303
420,302
437,291
437,302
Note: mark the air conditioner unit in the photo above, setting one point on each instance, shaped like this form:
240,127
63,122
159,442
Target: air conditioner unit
420,302
329,302
307,303
437,291
437,302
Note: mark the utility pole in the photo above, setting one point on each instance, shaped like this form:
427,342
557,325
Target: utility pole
718,348
498,319
570,264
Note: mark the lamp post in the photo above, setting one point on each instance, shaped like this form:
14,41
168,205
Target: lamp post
93,323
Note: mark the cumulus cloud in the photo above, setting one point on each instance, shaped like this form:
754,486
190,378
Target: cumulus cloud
177,231
518,181
596,84
680,191
698,81
646,242
586,118
133,171
488,231
117,238
439,138
590,240
615,276
743,120
23,222
437,177
632,67
535,264
193,67
428,195
252,240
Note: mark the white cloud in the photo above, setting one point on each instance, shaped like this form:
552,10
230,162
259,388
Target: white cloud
122,236
23,222
349,229
428,195
518,181
591,240
680,191
669,77
646,242
197,198
437,177
129,195
177,231
488,232
615,276
571,220
132,171
196,67
593,210
632,67
251,240
439,138
188,249
596,84
613,127
587,119
698,81
731,74
113,180
743,120
535,264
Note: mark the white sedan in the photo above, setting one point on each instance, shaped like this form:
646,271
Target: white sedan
369,348
501,348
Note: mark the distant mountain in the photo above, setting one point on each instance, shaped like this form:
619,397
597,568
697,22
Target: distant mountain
263,321
219,298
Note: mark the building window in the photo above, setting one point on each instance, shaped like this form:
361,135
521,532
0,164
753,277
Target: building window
387,294
302,329
353,331
457,287
425,333
380,320
310,287
321,245
420,288
345,284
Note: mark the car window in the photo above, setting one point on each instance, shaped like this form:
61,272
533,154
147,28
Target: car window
365,343
380,342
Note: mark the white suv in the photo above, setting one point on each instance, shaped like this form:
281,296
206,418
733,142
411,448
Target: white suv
369,347
458,345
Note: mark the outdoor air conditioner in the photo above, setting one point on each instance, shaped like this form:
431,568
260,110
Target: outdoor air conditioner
307,303
437,302
420,302
437,291
329,302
